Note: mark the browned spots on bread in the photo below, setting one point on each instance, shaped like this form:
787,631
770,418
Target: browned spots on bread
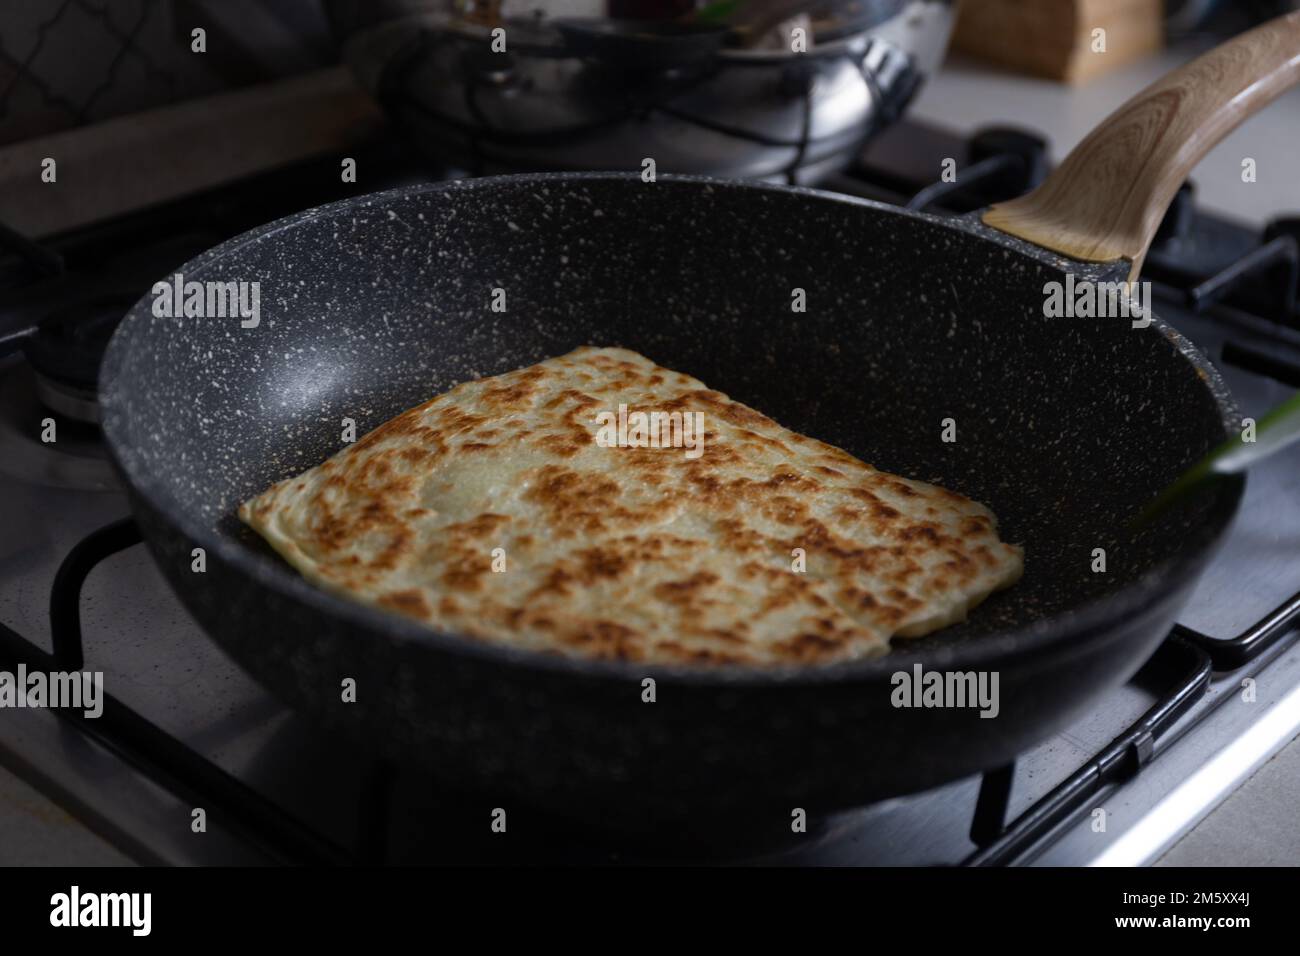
809,646
465,573
603,563
410,602
607,640
686,592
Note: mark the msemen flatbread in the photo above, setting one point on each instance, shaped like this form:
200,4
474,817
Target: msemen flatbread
497,510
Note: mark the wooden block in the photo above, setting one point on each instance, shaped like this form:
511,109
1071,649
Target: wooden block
1055,38
135,161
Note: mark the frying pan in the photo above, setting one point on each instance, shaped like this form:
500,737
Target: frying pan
1065,427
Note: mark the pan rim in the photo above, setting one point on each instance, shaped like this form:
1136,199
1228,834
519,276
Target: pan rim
1039,637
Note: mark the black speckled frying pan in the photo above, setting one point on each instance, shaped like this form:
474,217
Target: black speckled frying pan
1065,427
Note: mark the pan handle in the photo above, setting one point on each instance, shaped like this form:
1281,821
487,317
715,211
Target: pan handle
1105,201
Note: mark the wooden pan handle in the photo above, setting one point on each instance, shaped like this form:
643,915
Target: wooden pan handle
1105,201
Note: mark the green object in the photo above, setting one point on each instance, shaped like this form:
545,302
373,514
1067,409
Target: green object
718,12
1273,432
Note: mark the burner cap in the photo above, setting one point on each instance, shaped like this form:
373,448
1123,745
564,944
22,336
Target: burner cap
68,344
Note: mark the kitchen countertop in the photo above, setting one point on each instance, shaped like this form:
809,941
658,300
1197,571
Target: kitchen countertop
1257,825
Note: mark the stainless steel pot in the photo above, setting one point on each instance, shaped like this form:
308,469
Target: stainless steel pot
545,104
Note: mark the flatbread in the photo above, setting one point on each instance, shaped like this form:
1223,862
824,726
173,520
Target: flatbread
499,510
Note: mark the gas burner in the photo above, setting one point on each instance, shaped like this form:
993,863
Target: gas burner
75,458
65,350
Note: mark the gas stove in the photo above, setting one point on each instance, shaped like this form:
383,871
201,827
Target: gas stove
183,728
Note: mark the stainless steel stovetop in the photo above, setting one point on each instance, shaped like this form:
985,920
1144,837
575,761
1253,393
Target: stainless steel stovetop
288,792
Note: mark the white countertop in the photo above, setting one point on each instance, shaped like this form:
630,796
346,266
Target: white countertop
966,95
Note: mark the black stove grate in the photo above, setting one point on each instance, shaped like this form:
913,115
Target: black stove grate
1182,670
134,738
